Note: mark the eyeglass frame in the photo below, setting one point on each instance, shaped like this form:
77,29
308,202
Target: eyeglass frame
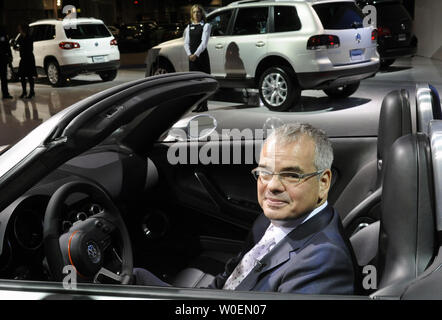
302,176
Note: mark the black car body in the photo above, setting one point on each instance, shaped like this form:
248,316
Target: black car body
395,30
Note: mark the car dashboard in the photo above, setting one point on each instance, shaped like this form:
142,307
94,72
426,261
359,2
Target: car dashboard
21,223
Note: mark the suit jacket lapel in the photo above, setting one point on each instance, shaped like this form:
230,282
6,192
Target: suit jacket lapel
292,242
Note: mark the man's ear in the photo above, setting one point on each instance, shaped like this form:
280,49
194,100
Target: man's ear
324,184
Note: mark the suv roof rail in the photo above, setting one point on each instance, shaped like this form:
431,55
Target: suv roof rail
255,1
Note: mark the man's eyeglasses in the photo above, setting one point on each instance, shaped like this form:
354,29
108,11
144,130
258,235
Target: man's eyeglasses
287,177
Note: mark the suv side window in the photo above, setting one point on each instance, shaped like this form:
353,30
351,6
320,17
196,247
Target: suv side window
42,32
220,23
251,21
286,19
34,32
50,32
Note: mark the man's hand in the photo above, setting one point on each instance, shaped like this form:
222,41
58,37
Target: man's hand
192,57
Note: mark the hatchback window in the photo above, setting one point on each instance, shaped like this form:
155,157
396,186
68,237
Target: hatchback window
220,23
87,31
286,19
251,21
339,15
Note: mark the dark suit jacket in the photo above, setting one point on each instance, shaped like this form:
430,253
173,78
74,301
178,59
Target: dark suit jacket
315,258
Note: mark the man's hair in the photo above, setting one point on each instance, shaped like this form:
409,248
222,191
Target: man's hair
289,133
203,13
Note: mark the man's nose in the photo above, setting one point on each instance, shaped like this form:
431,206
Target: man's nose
275,183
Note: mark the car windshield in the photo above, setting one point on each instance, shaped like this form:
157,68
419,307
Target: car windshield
87,31
339,15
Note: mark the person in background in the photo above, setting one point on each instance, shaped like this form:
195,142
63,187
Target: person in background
196,37
5,60
26,68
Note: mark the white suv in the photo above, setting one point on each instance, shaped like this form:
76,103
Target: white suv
66,48
281,48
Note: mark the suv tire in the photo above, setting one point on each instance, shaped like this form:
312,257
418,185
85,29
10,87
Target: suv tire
385,63
108,75
161,68
278,88
55,77
343,91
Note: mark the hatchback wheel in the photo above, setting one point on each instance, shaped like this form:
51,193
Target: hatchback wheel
56,79
278,88
342,91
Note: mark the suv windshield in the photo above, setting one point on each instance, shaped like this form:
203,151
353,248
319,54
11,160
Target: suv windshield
339,15
87,31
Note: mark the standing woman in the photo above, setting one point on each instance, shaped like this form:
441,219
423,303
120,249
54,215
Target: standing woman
26,68
196,36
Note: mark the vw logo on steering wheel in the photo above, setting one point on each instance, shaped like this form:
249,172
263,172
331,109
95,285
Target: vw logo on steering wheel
93,252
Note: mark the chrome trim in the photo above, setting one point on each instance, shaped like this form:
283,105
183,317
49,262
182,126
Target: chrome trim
435,132
424,107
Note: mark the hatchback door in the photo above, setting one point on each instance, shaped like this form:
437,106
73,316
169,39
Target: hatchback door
345,20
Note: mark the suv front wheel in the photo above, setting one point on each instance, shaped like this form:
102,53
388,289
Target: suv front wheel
278,88
56,79
343,91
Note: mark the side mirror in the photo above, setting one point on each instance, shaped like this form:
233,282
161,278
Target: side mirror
194,128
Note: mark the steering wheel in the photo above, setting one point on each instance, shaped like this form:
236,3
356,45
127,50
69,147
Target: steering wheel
88,243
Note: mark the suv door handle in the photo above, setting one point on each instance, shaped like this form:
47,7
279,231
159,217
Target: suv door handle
260,44
219,46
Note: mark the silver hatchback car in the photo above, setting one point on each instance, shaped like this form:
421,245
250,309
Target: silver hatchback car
282,48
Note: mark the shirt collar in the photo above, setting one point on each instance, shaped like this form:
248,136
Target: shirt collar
292,224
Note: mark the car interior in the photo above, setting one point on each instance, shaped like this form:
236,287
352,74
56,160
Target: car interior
184,221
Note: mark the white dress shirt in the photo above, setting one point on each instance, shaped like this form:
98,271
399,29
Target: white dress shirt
204,39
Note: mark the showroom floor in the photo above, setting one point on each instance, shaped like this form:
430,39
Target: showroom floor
18,117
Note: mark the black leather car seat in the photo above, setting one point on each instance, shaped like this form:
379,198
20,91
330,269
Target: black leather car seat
394,122
407,238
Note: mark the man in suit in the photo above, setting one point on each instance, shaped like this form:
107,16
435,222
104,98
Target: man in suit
297,245
309,253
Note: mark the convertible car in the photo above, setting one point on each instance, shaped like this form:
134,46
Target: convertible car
101,187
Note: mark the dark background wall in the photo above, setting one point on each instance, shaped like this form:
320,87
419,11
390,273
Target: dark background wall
14,12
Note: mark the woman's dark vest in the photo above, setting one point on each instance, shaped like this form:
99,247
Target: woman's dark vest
202,63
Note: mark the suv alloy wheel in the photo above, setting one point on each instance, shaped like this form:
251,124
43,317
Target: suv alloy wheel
278,88
55,77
